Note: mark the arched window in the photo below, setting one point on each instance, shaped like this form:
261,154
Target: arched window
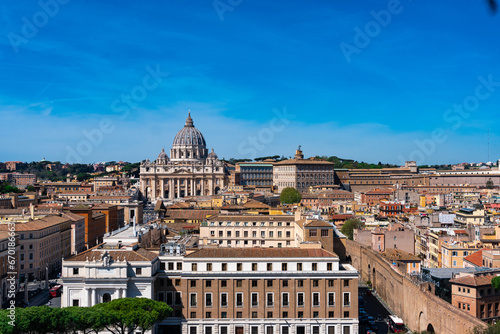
106,298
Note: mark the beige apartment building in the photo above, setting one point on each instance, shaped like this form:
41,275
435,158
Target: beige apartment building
258,291
303,174
250,231
42,244
453,253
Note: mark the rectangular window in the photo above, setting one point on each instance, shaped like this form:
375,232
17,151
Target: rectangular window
208,329
239,299
76,302
324,233
208,283
315,329
239,266
177,298
254,315
192,299
313,233
194,267
300,299
299,266
284,267
192,283
300,283
223,329
192,315
314,266
255,299
224,267
270,299
223,299
208,315
208,300
300,314
209,267
315,298
269,267
192,330
285,283
330,282
331,298
284,299
346,283
254,330
285,314
329,266
239,283
315,283
177,282
169,300
269,283
239,315
223,283
75,271
269,315
347,299
346,329
254,266
331,314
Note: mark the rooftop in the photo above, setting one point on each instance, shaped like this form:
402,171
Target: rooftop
257,252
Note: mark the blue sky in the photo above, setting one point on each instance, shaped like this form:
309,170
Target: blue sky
366,80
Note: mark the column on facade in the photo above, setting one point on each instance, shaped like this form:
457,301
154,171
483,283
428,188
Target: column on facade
186,187
87,294
171,189
93,298
202,187
162,187
178,188
153,188
211,186
193,187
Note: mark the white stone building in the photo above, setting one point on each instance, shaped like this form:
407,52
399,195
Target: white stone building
190,170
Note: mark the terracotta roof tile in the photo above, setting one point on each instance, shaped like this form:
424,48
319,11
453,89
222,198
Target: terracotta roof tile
473,280
115,254
476,258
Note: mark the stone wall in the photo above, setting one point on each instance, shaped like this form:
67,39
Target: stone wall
414,303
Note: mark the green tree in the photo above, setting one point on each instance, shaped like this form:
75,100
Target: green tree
30,188
489,184
131,314
350,225
290,195
495,282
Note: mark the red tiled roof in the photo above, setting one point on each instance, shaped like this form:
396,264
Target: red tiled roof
476,258
115,254
257,252
190,214
472,280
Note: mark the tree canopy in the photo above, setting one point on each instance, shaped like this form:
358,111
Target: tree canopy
350,225
119,316
290,195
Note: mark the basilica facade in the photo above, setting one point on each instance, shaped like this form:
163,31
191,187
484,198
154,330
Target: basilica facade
190,170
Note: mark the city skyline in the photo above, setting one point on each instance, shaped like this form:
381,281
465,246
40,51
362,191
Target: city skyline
387,81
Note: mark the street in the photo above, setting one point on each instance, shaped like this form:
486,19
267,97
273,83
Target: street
376,313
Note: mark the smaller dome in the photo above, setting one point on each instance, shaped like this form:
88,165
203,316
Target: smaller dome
162,157
212,155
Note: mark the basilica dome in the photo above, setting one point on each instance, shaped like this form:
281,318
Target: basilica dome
189,144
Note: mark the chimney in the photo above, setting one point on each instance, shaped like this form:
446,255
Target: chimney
32,211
